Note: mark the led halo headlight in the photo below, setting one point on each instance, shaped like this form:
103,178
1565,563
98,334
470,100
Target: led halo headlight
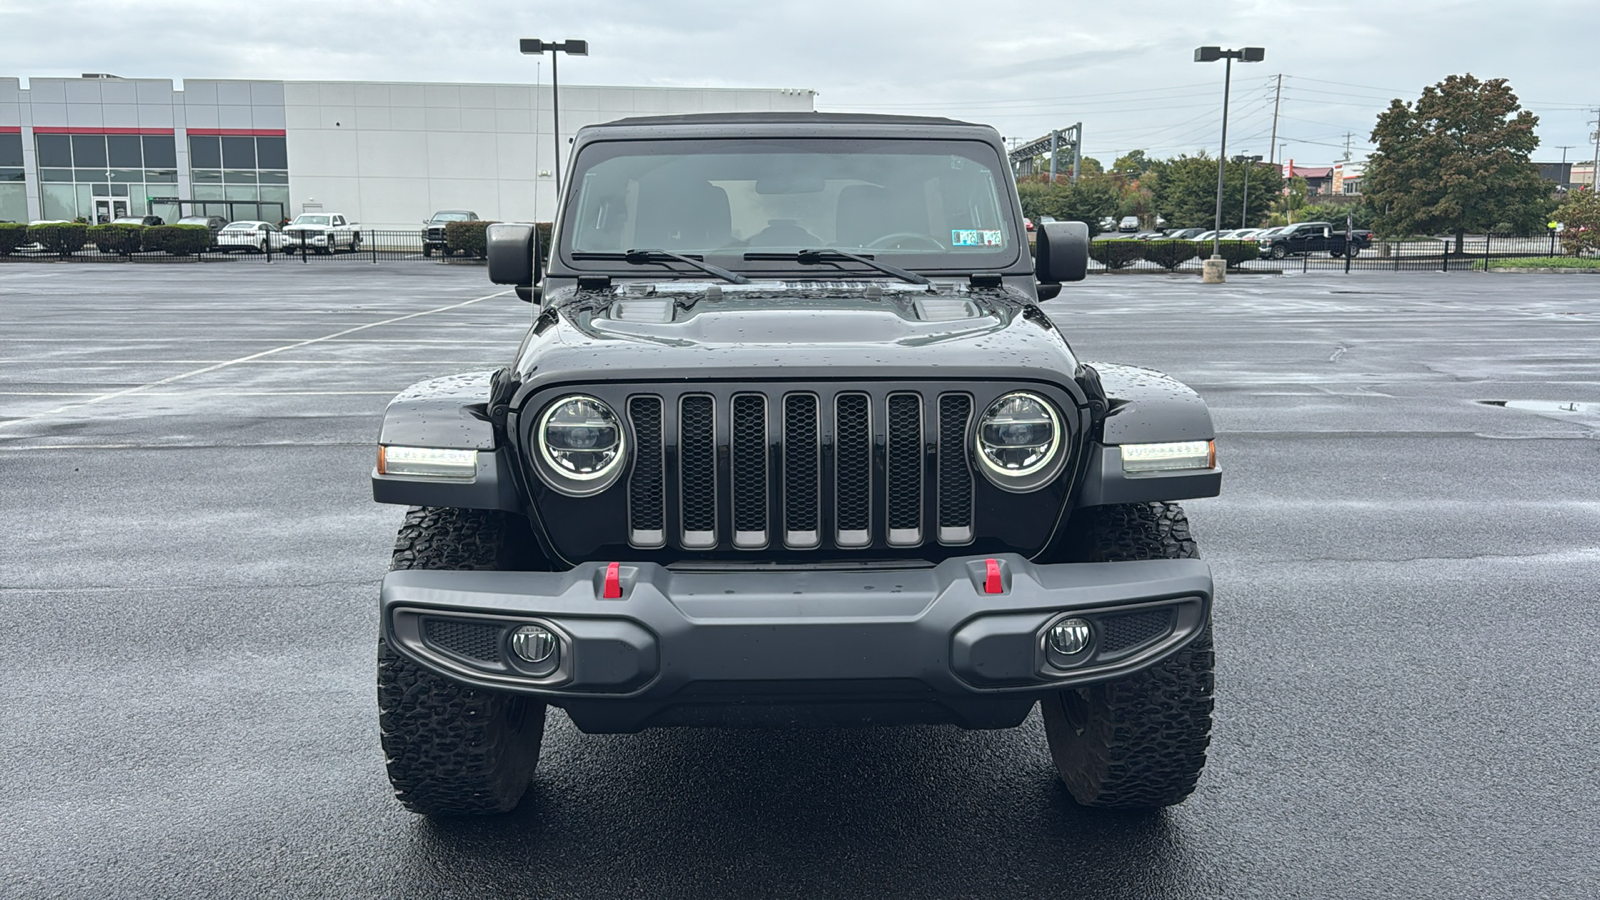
1019,441
582,445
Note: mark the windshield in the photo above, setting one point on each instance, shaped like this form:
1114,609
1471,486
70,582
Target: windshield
310,220
741,203
241,226
450,217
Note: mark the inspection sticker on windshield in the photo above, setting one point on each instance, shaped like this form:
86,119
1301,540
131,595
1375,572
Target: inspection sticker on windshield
971,237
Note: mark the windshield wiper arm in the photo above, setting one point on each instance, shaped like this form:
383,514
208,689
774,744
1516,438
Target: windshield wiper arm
661,257
813,257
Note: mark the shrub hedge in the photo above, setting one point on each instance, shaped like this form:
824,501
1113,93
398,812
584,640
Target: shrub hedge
1170,254
1116,254
179,240
1235,252
12,236
122,239
467,238
60,238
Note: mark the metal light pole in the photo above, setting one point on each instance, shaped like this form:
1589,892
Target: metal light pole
1212,54
1244,212
535,47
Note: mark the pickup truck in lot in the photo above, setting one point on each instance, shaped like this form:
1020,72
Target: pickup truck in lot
1305,238
321,233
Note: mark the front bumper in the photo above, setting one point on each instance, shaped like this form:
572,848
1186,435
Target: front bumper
787,646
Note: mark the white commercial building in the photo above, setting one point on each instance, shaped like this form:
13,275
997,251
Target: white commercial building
385,154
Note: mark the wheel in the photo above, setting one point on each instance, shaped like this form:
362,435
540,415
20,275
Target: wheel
453,749
1355,251
449,252
1336,252
894,240
427,249
1138,742
1279,251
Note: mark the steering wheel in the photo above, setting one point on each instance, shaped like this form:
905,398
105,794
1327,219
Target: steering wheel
884,242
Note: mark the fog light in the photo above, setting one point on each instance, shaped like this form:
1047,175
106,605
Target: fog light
1069,637
537,646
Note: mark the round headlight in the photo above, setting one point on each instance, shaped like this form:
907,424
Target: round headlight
1019,442
582,445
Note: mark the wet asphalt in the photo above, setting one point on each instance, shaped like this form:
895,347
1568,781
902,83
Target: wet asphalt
1406,624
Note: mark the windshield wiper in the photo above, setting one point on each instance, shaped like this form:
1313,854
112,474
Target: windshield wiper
662,257
813,257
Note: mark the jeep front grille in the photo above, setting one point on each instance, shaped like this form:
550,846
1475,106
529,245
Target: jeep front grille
796,469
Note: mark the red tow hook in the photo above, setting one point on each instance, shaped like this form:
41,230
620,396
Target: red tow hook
991,581
613,588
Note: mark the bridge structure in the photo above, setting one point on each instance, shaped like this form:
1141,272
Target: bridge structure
1025,157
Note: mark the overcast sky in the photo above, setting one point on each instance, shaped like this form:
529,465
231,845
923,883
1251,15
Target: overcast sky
1122,67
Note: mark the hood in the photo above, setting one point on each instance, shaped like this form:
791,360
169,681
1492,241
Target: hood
792,330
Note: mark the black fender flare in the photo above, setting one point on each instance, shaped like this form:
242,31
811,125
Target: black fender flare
451,413
1146,407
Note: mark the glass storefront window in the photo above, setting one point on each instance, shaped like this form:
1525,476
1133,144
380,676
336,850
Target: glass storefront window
271,153
208,192
55,151
205,152
10,150
160,176
89,151
205,176
274,195
160,151
11,175
55,175
127,175
13,202
274,177
124,151
239,152
238,176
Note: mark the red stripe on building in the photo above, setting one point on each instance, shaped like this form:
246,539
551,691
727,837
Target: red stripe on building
238,132
10,129
57,129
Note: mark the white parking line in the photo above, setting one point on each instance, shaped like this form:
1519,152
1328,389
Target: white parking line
244,359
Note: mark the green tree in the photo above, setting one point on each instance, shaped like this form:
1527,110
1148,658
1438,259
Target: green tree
1090,166
1579,216
1185,192
1132,164
1094,197
1457,161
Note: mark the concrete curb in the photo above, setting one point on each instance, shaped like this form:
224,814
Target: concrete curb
1543,271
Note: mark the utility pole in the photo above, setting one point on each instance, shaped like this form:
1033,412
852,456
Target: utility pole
1594,173
1347,136
1563,175
1276,99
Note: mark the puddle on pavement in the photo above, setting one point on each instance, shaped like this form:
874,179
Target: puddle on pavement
1547,406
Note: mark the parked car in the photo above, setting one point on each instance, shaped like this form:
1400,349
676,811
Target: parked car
1305,238
321,233
215,223
138,220
1184,234
1204,236
250,235
1128,223
433,234
1027,224
1109,223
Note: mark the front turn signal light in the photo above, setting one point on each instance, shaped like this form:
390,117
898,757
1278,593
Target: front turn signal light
427,462
1170,457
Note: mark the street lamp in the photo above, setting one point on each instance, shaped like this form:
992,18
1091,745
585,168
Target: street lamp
1244,212
535,47
1212,54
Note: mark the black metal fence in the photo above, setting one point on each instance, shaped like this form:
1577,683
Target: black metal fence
1477,251
368,246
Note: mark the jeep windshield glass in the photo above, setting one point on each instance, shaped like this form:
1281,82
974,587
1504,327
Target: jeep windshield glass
768,205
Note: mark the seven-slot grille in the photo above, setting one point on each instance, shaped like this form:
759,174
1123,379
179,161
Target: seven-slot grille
800,470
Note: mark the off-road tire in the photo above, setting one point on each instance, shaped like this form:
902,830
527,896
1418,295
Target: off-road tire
427,249
453,749
1138,742
1279,251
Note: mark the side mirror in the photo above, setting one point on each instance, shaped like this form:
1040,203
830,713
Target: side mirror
1061,252
510,247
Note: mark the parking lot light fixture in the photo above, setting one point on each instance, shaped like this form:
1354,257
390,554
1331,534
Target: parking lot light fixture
1212,54
536,47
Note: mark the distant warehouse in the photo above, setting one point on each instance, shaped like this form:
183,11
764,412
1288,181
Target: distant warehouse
385,154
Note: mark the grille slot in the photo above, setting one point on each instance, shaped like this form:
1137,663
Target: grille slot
748,457
802,472
473,640
647,520
697,479
955,470
904,475
852,489
1130,630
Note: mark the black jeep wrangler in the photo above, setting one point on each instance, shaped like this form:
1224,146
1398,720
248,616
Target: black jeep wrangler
791,441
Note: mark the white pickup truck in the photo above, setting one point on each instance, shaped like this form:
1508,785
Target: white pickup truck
321,233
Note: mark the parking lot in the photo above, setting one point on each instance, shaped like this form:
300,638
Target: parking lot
1406,620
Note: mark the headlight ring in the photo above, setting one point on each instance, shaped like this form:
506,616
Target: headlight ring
582,446
1019,442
